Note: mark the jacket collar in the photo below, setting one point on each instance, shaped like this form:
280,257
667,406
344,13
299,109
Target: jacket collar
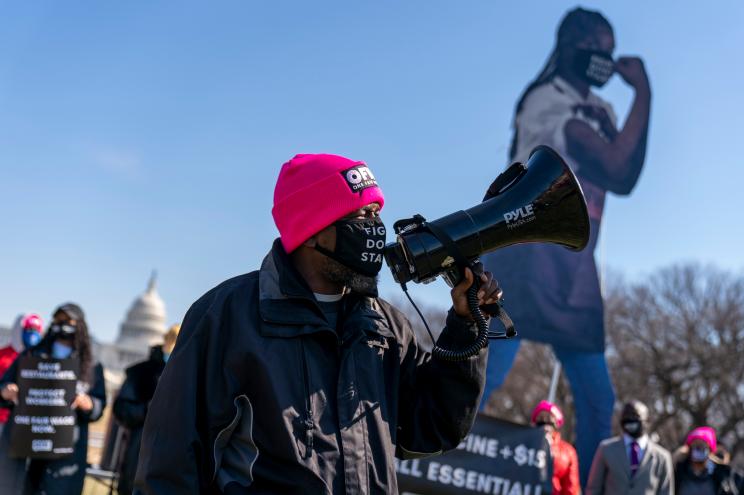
365,315
284,297
288,307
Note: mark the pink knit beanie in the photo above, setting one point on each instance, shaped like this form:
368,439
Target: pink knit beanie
551,408
704,433
313,191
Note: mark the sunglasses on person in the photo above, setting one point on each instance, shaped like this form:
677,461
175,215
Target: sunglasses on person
545,423
63,328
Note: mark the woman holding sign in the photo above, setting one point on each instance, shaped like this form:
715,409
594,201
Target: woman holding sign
67,339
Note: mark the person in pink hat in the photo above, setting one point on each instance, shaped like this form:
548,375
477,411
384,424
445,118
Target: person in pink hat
565,461
26,333
702,471
297,377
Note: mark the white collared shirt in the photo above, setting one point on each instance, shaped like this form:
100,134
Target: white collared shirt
642,443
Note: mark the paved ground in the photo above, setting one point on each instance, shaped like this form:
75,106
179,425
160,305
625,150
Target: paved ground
93,487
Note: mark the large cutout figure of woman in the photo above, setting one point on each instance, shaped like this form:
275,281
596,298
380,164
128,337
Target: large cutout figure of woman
553,293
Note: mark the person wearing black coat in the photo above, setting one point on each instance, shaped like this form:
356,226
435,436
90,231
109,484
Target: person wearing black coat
722,479
132,402
297,378
703,467
67,338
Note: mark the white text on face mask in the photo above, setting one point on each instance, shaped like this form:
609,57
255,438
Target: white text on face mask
375,230
377,244
372,257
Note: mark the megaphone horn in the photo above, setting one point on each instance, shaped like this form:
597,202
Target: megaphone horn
539,202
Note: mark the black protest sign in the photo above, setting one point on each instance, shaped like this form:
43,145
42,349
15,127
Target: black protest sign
497,457
43,423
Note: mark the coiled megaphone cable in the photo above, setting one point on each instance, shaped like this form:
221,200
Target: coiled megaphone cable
481,340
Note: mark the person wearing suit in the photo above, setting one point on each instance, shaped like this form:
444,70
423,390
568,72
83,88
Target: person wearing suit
631,463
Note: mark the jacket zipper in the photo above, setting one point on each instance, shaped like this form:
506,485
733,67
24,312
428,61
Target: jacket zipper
308,423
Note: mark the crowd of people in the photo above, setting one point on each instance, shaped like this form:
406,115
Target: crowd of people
634,463
67,338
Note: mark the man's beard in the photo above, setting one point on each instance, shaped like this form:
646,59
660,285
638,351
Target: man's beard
353,281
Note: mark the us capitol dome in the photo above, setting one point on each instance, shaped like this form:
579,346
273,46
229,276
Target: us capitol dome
144,326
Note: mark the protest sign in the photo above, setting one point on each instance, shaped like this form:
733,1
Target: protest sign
43,422
497,457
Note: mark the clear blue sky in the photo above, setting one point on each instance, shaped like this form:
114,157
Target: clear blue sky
141,135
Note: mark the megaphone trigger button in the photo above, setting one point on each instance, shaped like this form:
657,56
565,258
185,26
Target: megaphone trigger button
449,260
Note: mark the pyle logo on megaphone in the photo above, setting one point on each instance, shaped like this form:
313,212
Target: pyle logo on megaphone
520,216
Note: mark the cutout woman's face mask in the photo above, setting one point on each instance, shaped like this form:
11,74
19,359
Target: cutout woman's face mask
596,67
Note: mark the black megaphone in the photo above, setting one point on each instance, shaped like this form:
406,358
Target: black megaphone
541,201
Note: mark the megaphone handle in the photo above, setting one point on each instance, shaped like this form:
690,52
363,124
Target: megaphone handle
461,262
505,319
481,340
495,309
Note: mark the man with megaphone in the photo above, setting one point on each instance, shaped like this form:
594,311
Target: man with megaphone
297,378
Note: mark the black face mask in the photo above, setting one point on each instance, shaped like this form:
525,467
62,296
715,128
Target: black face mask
360,244
633,428
594,66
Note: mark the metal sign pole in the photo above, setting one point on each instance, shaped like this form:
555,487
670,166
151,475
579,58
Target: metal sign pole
554,381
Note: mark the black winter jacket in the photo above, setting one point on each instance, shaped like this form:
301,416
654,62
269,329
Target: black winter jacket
725,481
260,395
130,410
